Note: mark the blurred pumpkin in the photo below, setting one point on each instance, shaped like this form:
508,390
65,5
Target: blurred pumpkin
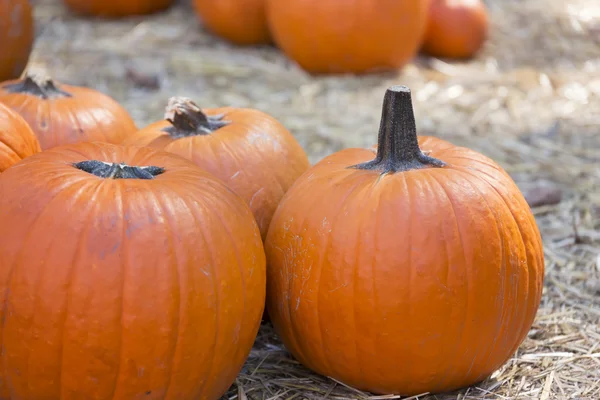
17,141
249,150
61,114
116,8
456,28
404,271
125,273
332,36
242,22
16,35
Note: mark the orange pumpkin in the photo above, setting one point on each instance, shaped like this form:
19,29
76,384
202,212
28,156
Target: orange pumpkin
125,273
17,141
62,114
242,22
16,35
249,150
404,271
116,8
332,36
456,28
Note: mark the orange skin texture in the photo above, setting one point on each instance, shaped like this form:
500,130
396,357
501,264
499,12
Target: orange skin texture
16,35
17,140
351,36
254,155
456,28
116,8
128,288
87,116
243,22
410,282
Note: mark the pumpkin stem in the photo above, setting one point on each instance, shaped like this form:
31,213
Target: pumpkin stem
189,120
397,147
38,83
117,171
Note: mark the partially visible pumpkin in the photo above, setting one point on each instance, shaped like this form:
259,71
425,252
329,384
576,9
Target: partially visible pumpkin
17,141
333,36
456,28
117,8
125,273
61,114
16,35
242,22
404,271
249,150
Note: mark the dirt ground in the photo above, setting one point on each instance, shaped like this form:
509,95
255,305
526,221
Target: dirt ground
530,100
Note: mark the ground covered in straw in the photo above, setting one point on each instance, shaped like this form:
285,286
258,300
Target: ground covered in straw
530,100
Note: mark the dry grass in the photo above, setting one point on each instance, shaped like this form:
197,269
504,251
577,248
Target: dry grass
530,100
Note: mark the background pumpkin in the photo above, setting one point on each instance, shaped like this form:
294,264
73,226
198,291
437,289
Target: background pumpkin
62,114
17,141
456,28
249,150
404,273
117,8
114,286
16,35
331,36
242,22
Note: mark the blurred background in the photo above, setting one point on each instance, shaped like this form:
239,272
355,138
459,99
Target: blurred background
529,99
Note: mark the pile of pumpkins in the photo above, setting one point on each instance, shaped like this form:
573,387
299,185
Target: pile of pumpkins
136,263
321,36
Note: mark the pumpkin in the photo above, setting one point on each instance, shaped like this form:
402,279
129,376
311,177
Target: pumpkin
242,22
249,150
405,271
16,35
63,114
125,273
17,141
332,36
456,28
116,8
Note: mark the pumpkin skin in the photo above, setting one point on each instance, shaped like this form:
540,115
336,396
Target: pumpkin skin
456,28
17,141
124,288
249,150
116,9
359,36
63,114
17,37
407,274
243,22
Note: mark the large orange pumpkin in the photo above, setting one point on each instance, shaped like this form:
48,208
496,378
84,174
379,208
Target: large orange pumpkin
17,141
117,8
456,28
242,22
249,150
333,36
16,35
62,114
125,273
404,271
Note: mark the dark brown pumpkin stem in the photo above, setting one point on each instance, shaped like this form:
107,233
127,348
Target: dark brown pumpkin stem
37,83
117,171
189,120
397,147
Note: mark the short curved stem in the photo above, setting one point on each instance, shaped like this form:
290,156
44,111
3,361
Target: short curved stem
187,119
398,146
118,171
38,83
